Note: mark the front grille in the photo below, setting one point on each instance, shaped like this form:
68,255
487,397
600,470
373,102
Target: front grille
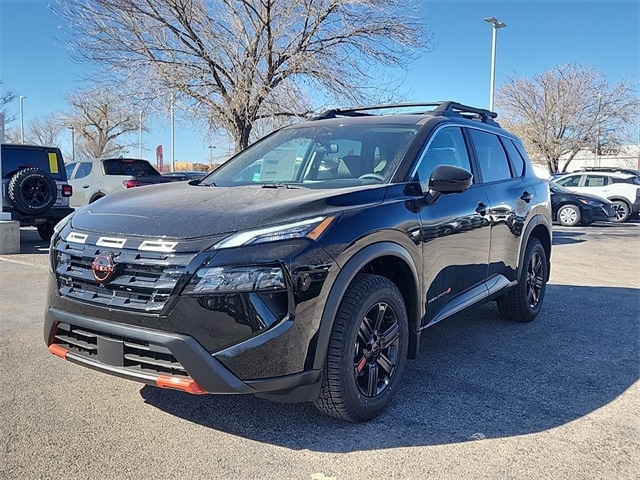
135,355
143,280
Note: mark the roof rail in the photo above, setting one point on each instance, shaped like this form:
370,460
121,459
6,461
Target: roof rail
441,108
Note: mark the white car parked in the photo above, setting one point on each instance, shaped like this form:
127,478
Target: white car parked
620,188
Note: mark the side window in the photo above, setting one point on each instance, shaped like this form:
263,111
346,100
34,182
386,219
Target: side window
69,169
446,148
83,170
517,162
494,164
572,181
596,181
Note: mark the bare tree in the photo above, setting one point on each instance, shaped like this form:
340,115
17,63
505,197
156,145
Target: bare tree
6,97
101,120
41,131
45,131
568,109
238,61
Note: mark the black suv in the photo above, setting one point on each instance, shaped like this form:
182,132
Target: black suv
307,267
34,186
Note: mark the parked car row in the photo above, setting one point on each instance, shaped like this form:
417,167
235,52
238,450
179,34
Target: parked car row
620,186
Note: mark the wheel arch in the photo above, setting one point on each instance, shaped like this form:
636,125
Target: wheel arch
386,259
96,196
538,228
618,198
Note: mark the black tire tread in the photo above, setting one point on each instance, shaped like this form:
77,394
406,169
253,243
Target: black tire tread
332,400
512,305
22,204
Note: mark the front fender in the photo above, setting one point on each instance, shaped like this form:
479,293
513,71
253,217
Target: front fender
344,278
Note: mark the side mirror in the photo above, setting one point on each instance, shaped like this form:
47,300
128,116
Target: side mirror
449,179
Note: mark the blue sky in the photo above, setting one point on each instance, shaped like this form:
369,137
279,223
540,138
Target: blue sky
540,35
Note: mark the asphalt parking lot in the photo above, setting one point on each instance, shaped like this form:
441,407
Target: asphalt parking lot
487,399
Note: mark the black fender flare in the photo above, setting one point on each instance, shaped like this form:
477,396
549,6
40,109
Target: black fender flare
343,280
536,221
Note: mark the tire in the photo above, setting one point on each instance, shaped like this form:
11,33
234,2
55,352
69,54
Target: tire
367,350
32,191
523,303
569,215
622,211
45,231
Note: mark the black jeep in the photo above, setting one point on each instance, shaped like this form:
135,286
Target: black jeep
307,267
35,190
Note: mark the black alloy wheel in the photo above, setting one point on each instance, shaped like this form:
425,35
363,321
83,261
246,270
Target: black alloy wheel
367,350
32,190
376,350
535,279
621,210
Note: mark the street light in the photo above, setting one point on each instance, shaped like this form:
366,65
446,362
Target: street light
496,25
73,144
22,97
140,138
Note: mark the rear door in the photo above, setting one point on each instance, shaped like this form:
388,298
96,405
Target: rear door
511,196
82,182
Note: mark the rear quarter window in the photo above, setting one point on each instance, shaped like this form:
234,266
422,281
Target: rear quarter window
135,168
16,158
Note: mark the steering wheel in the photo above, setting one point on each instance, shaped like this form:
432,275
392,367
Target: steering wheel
371,176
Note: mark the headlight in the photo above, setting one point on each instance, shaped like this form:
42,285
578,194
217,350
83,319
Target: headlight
311,228
237,280
593,203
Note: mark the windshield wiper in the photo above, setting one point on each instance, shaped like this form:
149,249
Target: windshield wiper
280,185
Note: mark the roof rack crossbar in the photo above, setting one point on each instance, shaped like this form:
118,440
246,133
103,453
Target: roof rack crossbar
445,108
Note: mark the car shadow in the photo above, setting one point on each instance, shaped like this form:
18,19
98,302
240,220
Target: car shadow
567,238
31,243
478,376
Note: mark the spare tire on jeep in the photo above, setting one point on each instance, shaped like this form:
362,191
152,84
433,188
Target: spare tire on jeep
32,190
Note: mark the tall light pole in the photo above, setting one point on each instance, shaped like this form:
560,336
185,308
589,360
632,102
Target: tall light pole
173,159
140,139
73,143
496,25
22,97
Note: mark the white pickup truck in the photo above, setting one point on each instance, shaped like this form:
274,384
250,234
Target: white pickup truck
93,179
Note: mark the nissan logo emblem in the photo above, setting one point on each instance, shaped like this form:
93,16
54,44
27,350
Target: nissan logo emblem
103,267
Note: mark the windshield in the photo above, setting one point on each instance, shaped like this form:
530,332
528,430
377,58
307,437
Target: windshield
555,187
319,157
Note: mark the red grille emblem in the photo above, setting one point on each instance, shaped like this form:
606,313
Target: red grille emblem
103,267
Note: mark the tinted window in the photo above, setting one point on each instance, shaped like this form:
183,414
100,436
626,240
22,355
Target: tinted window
69,169
16,158
571,181
494,164
83,170
446,148
631,180
136,168
517,162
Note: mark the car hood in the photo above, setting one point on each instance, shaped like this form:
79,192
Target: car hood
182,210
582,196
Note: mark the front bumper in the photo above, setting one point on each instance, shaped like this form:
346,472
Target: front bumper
53,215
163,359
598,214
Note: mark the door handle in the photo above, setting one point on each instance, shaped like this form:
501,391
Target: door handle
482,209
526,196
85,186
